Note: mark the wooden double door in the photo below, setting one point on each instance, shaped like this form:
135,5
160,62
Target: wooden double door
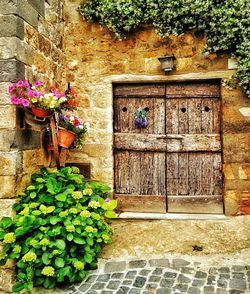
174,164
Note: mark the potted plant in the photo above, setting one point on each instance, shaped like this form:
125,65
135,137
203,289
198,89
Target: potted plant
40,101
58,230
71,130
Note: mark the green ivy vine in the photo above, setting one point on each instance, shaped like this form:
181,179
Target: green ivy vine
224,22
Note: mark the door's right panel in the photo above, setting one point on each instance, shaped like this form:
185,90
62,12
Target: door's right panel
194,167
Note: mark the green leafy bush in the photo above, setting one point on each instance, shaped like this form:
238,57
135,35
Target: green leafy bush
59,228
224,22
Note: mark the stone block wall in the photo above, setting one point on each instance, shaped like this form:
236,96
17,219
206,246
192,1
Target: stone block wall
30,48
96,59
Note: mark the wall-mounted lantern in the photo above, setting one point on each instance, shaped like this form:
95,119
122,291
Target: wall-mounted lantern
167,62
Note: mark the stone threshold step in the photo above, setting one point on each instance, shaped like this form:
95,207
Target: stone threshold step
173,216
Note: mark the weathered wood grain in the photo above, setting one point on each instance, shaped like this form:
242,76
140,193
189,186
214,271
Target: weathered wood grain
195,89
183,173
194,116
141,203
172,174
122,171
183,116
139,89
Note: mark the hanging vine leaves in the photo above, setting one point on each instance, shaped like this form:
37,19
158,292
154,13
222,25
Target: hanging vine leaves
224,22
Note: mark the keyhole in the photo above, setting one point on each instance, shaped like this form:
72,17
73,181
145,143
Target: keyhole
146,109
207,108
183,109
124,109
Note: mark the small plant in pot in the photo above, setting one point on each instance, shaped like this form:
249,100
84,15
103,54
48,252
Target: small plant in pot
71,130
59,229
40,101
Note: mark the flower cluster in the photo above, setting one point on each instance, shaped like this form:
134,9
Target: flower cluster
74,124
27,95
141,120
48,271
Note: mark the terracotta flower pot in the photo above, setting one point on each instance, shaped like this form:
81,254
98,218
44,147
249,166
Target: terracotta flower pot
39,112
65,137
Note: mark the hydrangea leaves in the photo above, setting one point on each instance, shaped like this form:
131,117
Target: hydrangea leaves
58,230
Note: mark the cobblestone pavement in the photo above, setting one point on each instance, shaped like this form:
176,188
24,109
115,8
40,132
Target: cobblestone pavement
164,276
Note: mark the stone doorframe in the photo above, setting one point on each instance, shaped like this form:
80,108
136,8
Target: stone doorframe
104,93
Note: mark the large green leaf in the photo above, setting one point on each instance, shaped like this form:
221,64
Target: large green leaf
64,271
79,240
30,273
59,262
28,286
54,220
49,283
45,198
88,258
33,195
46,258
70,237
60,244
90,241
53,186
18,286
5,222
61,197
21,276
110,214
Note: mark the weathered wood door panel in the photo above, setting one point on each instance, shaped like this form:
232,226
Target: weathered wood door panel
174,164
142,186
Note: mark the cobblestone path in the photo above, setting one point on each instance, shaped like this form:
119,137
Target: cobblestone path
164,276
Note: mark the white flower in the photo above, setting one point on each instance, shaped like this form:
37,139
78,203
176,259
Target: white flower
63,99
87,126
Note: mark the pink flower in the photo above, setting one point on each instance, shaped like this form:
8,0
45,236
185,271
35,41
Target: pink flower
30,93
20,83
26,84
14,100
38,83
107,200
24,102
11,88
36,94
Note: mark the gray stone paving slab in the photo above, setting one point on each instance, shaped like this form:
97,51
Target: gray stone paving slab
164,276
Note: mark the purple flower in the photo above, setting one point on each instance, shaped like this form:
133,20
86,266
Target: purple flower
63,117
11,88
141,122
107,200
